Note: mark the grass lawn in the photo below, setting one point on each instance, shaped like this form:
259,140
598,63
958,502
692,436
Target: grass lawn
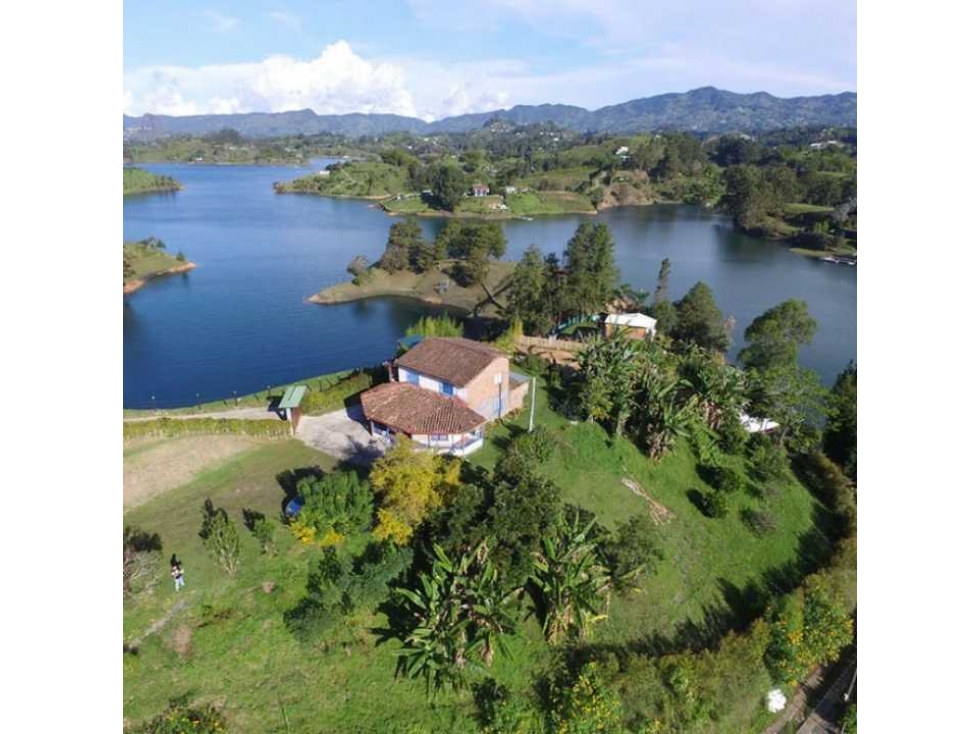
228,642
710,563
800,208
548,202
362,180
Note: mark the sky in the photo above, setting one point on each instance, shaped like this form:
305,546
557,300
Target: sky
432,59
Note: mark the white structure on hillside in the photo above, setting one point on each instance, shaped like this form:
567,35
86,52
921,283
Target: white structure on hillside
757,425
637,325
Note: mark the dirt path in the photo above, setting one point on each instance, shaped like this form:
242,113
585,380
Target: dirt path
158,624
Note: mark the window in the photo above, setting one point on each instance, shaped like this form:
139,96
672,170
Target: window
411,377
439,438
498,378
446,388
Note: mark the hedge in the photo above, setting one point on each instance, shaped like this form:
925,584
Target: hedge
169,427
318,402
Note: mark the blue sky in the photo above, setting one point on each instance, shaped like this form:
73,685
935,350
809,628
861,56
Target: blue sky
430,58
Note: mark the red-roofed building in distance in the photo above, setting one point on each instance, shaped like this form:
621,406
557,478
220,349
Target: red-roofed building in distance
444,391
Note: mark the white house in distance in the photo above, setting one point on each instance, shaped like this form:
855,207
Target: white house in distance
636,325
479,189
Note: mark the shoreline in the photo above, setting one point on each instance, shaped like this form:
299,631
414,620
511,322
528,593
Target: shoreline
155,190
134,285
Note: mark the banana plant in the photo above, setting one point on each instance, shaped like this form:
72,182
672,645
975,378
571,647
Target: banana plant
460,613
573,584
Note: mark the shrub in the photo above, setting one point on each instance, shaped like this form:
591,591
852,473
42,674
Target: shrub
170,427
499,712
590,706
825,480
723,478
733,438
182,718
768,459
262,528
634,546
715,504
335,396
140,559
760,522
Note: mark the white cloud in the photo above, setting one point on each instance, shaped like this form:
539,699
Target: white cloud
286,19
337,81
221,23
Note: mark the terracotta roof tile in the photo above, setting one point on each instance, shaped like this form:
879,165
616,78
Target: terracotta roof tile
415,410
452,359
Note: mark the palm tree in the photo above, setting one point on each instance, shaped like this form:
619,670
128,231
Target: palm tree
571,580
460,611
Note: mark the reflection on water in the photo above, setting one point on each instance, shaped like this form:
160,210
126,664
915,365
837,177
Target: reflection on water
239,322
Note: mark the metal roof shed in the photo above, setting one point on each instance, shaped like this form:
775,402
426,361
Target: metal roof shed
289,402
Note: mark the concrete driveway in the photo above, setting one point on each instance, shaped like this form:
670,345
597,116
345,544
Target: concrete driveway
342,434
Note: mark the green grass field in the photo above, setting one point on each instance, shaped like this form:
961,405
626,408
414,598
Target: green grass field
361,180
229,644
532,203
147,261
139,181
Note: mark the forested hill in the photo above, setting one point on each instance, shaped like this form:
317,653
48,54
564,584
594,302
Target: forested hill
706,110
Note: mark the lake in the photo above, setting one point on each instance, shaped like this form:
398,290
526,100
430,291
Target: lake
239,322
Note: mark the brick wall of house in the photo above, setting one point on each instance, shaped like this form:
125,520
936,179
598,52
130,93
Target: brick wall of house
483,391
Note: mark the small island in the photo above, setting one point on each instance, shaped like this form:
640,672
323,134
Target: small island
140,181
148,259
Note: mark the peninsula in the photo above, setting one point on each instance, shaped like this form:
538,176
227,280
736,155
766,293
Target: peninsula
140,181
148,259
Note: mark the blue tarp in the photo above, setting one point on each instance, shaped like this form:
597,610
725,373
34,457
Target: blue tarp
294,506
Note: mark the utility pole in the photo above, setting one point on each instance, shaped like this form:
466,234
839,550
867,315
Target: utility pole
533,400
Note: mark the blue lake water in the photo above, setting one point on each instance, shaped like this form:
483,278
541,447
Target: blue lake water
239,322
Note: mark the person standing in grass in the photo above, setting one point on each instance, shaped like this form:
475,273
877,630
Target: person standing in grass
177,571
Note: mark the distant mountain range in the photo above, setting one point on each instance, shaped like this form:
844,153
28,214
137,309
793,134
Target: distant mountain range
706,110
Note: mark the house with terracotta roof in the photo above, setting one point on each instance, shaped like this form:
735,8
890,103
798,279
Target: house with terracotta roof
443,392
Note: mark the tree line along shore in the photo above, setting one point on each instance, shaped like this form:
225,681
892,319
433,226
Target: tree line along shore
795,185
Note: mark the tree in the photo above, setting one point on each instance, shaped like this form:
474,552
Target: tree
448,186
589,706
774,337
788,394
403,247
472,244
459,613
746,196
526,296
334,506
523,508
589,261
410,484
220,536
662,282
341,584
633,550
571,582
840,435
700,321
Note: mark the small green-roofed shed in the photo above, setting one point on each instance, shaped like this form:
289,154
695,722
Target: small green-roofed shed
292,397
